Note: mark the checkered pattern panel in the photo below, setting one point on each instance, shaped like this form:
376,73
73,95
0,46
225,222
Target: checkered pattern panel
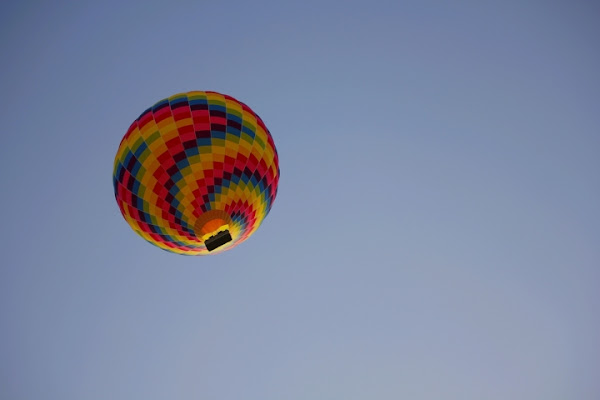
189,154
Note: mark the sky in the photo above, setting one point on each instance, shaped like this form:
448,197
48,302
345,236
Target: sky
436,232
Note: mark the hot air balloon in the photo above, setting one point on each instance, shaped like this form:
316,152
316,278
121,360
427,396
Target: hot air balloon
196,173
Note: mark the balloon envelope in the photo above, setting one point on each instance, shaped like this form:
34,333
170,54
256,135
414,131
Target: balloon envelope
196,173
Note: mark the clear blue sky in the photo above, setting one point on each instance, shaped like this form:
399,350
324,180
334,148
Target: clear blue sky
436,233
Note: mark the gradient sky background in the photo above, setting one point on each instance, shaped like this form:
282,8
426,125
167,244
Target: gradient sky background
436,233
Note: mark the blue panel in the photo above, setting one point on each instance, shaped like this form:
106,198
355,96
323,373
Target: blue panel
183,163
138,152
217,107
235,118
203,142
218,134
192,152
248,131
176,177
198,102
